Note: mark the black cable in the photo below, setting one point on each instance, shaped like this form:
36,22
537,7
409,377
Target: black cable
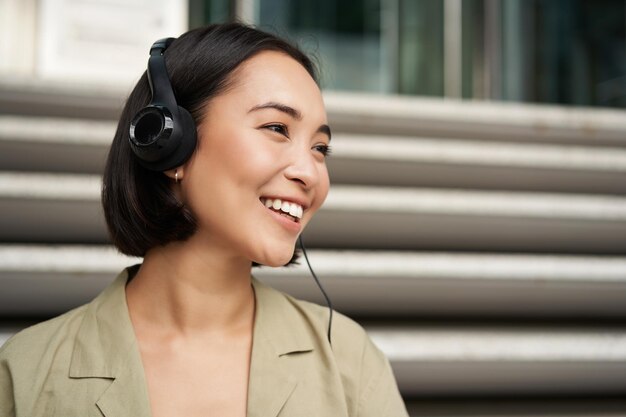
319,284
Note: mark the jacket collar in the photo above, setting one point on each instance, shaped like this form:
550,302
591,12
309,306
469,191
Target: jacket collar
105,341
106,347
279,332
278,322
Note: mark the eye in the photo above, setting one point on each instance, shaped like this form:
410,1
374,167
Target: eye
278,128
323,149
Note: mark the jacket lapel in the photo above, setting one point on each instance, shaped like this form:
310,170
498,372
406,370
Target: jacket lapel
124,397
279,343
269,386
106,348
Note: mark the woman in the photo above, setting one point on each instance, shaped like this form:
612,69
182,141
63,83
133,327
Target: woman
189,332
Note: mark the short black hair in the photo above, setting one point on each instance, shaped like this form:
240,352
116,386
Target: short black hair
140,208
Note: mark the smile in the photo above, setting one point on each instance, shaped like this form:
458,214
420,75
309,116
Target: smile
285,208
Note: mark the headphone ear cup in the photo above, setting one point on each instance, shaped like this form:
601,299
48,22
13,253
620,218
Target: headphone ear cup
185,124
161,139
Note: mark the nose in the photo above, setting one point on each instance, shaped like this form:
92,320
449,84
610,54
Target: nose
303,168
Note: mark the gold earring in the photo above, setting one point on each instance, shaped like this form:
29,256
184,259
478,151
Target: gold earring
176,176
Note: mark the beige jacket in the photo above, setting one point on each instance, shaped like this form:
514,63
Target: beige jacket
87,363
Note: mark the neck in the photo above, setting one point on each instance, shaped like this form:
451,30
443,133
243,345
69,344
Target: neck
184,289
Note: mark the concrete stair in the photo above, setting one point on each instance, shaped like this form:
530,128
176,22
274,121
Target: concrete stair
482,245
386,285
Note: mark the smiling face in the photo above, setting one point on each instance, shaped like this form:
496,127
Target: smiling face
259,174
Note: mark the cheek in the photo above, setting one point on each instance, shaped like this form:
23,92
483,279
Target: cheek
227,169
243,156
221,160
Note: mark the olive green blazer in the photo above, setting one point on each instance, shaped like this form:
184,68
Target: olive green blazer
86,362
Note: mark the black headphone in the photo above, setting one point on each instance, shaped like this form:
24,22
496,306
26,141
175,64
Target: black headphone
162,134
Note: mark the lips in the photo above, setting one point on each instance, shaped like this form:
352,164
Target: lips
285,208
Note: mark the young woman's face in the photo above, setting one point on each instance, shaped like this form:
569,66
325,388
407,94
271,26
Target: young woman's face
262,143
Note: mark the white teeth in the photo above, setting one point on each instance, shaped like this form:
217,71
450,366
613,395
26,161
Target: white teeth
293,209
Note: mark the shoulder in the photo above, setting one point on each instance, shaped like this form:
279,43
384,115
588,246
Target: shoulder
349,341
37,365
366,376
365,371
61,331
347,335
34,340
33,355
40,335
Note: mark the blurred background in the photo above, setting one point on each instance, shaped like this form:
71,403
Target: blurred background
477,221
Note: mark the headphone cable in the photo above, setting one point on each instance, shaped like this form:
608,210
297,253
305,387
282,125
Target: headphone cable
319,284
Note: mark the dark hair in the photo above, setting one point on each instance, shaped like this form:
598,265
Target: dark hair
140,208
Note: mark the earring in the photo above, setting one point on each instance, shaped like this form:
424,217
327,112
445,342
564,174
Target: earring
176,176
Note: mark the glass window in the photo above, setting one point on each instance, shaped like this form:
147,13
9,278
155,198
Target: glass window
541,51
345,35
202,12
421,47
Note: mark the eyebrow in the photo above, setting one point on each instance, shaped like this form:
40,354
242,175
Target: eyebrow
290,111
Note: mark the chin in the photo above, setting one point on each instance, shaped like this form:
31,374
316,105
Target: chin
276,258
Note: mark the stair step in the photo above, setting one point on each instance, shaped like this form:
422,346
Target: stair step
434,219
479,360
54,145
47,280
435,162
358,113
507,360
518,407
80,146
497,121
55,98
66,209
51,208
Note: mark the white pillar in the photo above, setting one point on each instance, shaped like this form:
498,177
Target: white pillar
17,36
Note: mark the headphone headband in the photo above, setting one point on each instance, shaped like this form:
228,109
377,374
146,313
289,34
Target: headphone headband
161,45
160,85
162,135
